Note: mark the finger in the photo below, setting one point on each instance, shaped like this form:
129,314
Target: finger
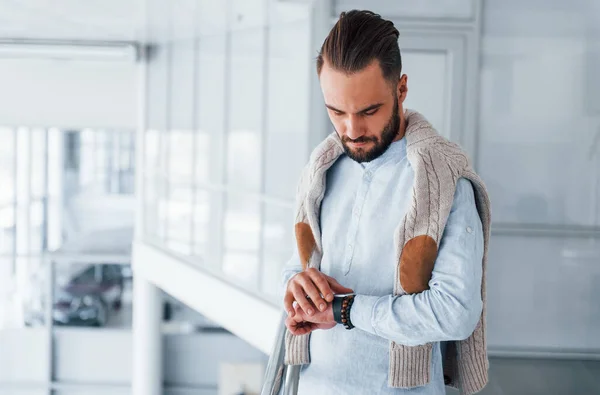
297,328
300,296
311,290
320,280
291,324
298,313
303,330
288,303
337,287
293,328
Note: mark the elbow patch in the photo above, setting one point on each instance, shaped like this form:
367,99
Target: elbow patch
416,263
306,243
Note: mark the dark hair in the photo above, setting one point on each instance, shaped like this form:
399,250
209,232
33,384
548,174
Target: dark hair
357,39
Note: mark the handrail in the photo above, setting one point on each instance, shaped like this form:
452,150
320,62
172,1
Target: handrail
277,374
291,380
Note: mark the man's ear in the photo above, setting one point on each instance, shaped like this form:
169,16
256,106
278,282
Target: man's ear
402,88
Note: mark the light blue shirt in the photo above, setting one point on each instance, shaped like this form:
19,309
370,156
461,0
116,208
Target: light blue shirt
363,205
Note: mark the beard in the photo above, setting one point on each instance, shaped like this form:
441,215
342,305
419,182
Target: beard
388,134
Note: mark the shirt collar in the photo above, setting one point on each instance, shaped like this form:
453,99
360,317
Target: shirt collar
396,150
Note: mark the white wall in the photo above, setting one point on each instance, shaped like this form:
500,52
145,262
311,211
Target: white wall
24,355
448,9
68,93
87,357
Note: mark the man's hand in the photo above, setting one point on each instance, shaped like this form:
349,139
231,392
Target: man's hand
301,324
311,283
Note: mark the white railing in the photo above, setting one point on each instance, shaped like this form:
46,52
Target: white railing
280,378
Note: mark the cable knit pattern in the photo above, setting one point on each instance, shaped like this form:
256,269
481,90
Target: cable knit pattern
437,164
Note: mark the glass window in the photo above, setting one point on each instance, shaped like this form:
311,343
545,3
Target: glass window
246,97
7,165
204,235
153,179
39,146
278,243
219,152
539,147
242,238
181,128
54,201
157,107
540,158
546,320
286,148
180,202
58,192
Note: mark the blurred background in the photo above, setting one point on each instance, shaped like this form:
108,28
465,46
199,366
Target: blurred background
158,143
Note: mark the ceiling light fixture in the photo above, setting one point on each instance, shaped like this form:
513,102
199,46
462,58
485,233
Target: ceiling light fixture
98,51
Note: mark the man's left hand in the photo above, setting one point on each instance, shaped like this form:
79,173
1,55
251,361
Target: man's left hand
302,324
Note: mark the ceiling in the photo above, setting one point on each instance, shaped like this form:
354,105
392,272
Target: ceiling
110,20
105,20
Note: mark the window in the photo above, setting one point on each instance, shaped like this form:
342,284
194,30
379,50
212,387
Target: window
56,186
223,156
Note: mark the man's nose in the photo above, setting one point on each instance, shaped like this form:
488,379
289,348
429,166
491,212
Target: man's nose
354,127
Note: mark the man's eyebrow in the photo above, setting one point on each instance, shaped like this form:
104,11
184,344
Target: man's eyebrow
371,107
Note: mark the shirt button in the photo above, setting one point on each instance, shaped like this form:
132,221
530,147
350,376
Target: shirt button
368,174
469,229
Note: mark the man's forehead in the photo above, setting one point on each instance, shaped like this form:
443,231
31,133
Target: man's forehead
362,88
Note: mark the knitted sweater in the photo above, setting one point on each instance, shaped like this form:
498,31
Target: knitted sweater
437,164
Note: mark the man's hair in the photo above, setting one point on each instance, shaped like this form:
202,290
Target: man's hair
357,39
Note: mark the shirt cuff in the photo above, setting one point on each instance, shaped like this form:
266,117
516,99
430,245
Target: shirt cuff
361,312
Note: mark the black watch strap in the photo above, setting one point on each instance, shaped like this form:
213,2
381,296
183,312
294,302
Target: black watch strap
337,308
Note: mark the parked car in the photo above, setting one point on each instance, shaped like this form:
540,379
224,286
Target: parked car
88,297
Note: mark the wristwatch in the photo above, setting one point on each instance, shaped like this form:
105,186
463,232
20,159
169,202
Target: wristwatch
341,306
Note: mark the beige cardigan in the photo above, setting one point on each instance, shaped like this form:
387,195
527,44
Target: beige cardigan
437,164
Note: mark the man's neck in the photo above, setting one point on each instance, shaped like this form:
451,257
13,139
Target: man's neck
401,130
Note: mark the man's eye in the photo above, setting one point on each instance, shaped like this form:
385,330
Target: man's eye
369,113
338,113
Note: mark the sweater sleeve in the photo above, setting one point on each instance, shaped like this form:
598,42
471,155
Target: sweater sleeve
451,307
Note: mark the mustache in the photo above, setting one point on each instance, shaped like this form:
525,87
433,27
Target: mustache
363,139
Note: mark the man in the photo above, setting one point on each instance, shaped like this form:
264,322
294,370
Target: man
391,210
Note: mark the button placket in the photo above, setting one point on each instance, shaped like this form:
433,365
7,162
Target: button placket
354,223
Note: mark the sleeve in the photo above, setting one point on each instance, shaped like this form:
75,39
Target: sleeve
451,307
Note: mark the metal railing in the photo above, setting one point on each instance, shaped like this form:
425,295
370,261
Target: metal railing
280,379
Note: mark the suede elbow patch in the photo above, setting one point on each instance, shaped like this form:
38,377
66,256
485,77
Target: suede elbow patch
416,264
306,243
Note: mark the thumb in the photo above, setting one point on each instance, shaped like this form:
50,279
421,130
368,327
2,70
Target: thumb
337,287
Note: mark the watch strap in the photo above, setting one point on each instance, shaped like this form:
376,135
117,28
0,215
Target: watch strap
337,308
341,309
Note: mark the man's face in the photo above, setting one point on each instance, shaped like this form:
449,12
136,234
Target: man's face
365,110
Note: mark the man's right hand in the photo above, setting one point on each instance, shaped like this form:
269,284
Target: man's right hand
311,283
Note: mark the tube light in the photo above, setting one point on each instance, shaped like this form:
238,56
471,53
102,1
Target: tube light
69,50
